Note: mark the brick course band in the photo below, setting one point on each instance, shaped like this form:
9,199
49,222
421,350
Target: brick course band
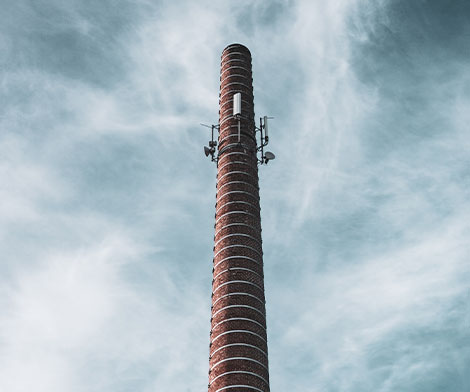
235,269
236,228
238,336
237,294
240,212
237,281
243,153
240,184
237,331
238,198
241,266
235,166
238,345
237,258
238,234
247,173
239,372
249,387
235,320
221,168
245,350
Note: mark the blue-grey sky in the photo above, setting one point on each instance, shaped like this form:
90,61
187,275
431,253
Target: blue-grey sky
107,200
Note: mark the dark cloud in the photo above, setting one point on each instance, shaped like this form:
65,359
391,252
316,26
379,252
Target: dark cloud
78,40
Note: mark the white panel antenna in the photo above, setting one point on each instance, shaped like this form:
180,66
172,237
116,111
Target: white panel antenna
266,128
237,104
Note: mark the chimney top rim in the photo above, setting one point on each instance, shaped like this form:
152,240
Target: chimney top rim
236,46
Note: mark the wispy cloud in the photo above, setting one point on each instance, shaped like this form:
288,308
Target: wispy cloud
107,201
387,321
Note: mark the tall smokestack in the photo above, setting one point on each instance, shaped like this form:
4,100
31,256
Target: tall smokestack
238,344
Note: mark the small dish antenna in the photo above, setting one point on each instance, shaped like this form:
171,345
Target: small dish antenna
269,156
212,143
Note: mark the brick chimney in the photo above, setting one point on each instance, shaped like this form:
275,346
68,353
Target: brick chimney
238,344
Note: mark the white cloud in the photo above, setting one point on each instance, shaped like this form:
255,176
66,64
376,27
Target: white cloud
105,272
76,321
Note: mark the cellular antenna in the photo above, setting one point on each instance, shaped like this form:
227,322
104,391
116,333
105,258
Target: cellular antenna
237,115
212,143
237,104
264,140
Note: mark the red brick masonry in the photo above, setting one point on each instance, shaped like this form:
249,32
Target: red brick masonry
238,345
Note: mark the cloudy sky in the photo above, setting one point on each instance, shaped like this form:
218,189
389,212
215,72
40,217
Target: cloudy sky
107,200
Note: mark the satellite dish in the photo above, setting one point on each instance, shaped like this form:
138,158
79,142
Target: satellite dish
269,156
207,151
237,104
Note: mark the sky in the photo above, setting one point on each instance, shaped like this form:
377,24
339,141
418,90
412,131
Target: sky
107,200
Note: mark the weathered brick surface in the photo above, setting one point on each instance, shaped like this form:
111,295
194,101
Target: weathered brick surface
223,264
237,287
242,323
238,348
237,228
238,201
237,154
239,379
237,275
238,299
241,335
247,370
236,166
238,180
239,312
234,239
241,185
239,250
227,266
238,205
